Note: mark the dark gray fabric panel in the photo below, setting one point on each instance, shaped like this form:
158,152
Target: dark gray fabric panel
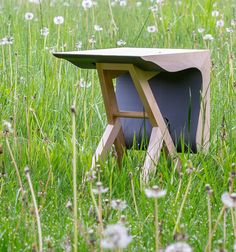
178,97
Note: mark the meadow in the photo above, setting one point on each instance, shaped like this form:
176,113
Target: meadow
42,140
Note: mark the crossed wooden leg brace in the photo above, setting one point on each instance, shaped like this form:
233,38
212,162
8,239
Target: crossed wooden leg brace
113,133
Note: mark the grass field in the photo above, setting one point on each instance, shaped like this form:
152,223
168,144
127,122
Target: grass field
37,92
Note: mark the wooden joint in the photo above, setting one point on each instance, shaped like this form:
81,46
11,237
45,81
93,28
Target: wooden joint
130,114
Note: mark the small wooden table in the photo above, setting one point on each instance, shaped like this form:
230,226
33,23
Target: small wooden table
142,64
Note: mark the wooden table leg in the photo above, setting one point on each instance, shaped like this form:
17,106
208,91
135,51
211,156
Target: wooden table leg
153,153
110,134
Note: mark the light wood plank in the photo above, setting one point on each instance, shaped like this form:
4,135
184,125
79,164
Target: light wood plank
151,107
108,138
153,153
114,74
131,114
111,106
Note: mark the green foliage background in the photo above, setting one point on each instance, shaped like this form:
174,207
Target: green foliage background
37,87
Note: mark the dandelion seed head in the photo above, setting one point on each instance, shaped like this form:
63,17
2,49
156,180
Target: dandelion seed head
123,3
7,127
229,30
153,8
26,170
66,4
215,13
229,199
78,45
92,40
3,41
100,189
208,37
113,3
8,40
200,30
35,1
58,20
87,4
121,42
155,192
29,16
138,4
179,247
69,205
118,204
83,83
116,236
233,22
152,29
97,28
220,23
44,31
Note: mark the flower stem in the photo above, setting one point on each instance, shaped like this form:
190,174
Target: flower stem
156,226
209,220
182,204
133,193
215,227
15,165
74,178
35,209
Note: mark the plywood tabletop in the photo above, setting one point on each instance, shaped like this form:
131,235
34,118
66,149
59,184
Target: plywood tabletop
151,59
128,51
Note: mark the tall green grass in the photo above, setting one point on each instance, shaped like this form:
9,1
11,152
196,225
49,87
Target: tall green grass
36,94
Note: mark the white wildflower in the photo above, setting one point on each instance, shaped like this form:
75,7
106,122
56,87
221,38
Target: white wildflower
66,4
84,84
44,31
7,40
7,127
69,204
29,16
138,4
215,13
97,27
35,1
153,8
200,30
113,3
152,29
58,20
92,40
87,4
99,189
233,22
118,204
220,23
208,37
3,41
123,3
115,237
91,175
121,42
229,30
78,45
155,192
179,247
229,199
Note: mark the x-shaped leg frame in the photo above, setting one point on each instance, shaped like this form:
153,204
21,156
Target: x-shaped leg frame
113,133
